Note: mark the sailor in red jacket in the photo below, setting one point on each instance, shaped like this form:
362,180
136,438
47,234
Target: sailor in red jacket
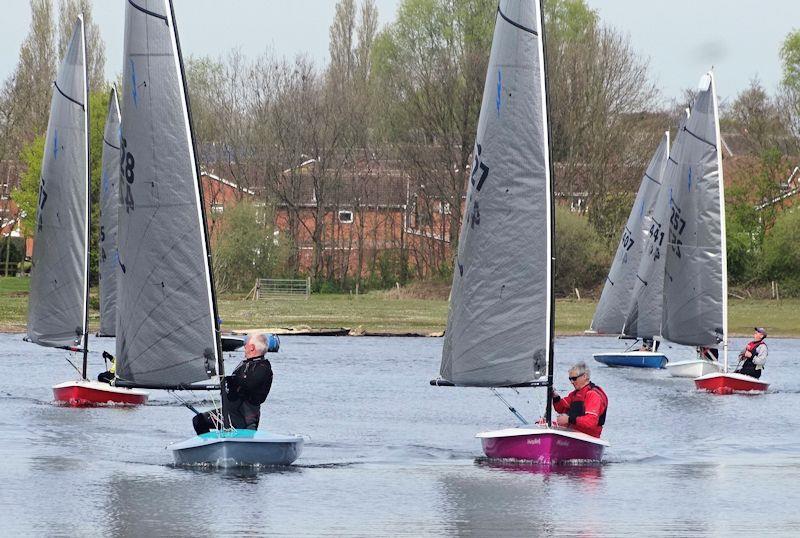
585,407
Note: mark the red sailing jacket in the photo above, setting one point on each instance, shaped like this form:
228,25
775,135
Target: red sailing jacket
586,407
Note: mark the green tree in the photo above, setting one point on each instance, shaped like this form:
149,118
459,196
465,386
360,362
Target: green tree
780,259
582,256
26,196
247,247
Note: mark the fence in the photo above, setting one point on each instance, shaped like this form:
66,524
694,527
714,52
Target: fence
281,287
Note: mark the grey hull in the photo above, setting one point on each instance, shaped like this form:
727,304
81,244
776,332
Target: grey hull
226,452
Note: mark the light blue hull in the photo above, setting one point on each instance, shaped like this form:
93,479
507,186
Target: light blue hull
633,359
239,448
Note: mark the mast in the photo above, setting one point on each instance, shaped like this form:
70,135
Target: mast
88,204
201,216
548,413
723,238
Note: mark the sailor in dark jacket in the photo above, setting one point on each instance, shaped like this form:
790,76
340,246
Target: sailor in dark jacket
247,388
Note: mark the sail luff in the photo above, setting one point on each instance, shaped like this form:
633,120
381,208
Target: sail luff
87,240
212,299
723,234
550,191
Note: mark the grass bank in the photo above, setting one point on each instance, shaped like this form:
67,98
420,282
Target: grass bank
398,313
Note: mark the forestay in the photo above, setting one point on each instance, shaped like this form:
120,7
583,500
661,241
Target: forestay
498,328
611,312
59,278
695,285
109,205
166,331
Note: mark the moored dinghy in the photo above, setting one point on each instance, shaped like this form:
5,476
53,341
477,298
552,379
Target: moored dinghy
168,333
58,304
500,324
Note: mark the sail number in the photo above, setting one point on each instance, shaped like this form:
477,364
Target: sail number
478,164
656,240
126,164
677,224
42,201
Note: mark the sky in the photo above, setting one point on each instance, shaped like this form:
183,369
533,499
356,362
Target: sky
681,38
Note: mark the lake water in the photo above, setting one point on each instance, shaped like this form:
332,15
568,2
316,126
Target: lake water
387,454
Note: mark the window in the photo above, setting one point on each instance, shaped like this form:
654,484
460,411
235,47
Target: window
346,217
217,208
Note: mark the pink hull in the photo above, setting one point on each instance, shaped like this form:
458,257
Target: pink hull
547,448
727,385
80,396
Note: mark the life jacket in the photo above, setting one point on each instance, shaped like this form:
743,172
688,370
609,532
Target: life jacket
752,347
577,408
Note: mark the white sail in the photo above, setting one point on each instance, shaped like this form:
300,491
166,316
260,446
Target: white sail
695,283
499,326
167,334
611,312
109,214
57,308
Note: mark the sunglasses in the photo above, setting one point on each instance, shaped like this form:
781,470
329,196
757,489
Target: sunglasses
574,378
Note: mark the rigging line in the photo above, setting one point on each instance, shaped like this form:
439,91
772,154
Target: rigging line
148,12
183,402
510,407
518,25
73,365
701,139
110,144
55,83
651,179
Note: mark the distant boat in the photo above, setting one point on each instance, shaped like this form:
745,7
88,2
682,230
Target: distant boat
612,309
232,342
109,215
168,334
696,273
500,324
58,304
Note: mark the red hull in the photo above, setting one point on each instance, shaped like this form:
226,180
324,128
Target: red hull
77,395
728,384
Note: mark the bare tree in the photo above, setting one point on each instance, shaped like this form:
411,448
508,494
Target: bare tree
68,11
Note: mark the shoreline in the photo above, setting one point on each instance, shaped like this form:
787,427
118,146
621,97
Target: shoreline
304,330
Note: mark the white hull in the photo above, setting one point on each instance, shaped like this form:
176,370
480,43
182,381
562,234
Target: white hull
693,368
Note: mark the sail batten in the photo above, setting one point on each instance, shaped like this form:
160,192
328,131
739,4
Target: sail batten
109,215
612,309
499,324
167,332
58,303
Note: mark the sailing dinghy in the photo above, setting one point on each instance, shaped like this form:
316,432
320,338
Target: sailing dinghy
500,323
695,309
58,304
612,309
168,333
696,272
